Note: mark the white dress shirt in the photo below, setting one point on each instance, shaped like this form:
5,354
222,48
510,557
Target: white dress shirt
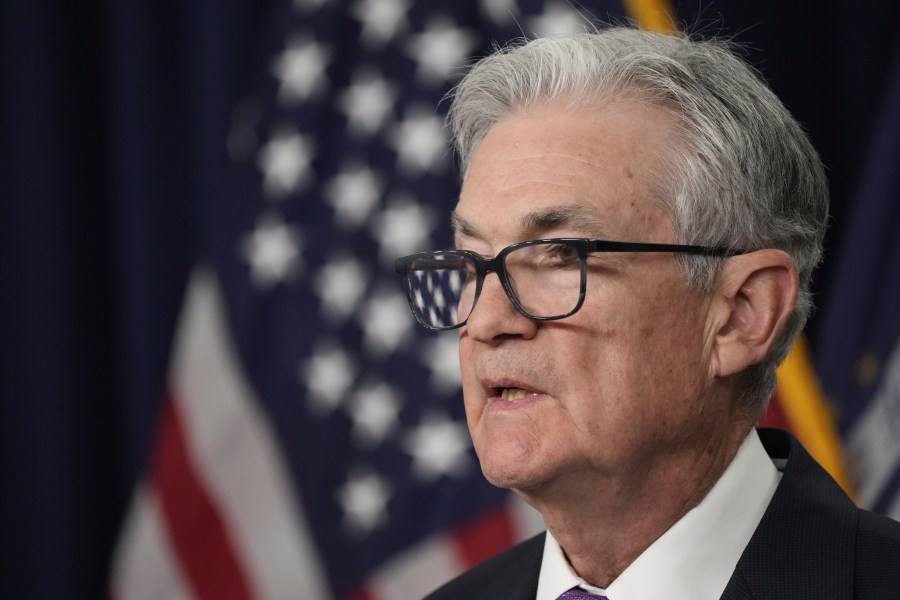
695,558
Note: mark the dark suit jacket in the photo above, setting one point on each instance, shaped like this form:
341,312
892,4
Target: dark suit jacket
812,543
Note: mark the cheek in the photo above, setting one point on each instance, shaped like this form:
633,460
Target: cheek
638,352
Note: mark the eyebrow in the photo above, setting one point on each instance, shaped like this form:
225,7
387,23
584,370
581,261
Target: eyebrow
573,216
461,226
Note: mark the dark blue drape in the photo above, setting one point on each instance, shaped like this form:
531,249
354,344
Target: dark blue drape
112,124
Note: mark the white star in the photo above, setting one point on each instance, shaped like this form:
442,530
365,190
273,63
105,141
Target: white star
403,227
328,375
285,162
354,193
386,323
438,447
367,102
501,12
441,357
301,70
341,284
557,20
272,250
364,499
440,49
419,142
374,413
381,20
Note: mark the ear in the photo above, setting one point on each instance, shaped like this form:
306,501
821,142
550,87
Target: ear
755,294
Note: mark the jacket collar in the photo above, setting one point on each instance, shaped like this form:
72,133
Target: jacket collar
809,527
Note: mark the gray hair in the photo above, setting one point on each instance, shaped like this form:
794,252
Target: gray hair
746,176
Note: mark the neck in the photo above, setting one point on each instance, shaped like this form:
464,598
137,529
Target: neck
604,522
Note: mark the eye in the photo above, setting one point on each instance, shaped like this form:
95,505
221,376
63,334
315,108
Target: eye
564,253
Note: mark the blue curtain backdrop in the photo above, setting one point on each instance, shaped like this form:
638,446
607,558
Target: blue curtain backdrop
113,120
112,117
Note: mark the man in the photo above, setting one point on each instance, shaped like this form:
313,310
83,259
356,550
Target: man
635,235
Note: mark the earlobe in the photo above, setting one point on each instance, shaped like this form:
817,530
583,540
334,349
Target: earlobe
757,293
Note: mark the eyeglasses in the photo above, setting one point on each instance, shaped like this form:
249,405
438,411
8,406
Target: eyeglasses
544,279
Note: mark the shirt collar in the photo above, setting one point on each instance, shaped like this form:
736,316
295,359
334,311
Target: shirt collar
715,532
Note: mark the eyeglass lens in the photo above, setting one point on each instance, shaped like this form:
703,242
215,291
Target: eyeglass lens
545,279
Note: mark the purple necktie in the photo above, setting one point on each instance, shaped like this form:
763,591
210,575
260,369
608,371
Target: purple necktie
577,593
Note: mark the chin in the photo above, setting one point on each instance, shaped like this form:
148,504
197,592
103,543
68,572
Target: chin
509,479
510,464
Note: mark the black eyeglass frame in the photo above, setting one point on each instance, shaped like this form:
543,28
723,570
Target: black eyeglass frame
583,246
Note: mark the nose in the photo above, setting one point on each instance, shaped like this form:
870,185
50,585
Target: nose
495,318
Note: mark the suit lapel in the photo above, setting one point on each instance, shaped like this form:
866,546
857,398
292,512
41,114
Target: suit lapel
809,527
518,579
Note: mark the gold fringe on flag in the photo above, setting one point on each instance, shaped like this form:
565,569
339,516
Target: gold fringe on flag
652,15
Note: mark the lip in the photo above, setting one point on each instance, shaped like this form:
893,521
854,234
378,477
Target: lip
494,389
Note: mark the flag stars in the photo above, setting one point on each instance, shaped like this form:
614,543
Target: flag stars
374,411
455,281
867,369
341,285
354,194
439,447
301,70
386,323
364,499
440,49
382,20
272,250
419,299
403,227
441,356
367,102
501,12
557,19
419,142
285,162
328,375
439,301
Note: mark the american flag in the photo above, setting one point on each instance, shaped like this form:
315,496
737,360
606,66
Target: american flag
312,443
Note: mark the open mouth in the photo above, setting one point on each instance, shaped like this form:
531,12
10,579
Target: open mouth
514,393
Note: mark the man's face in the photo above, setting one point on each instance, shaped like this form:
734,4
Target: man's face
618,387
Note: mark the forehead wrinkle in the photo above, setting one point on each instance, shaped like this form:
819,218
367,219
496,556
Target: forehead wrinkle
575,217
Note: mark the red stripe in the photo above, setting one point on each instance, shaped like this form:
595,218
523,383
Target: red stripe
195,527
359,594
485,536
774,416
